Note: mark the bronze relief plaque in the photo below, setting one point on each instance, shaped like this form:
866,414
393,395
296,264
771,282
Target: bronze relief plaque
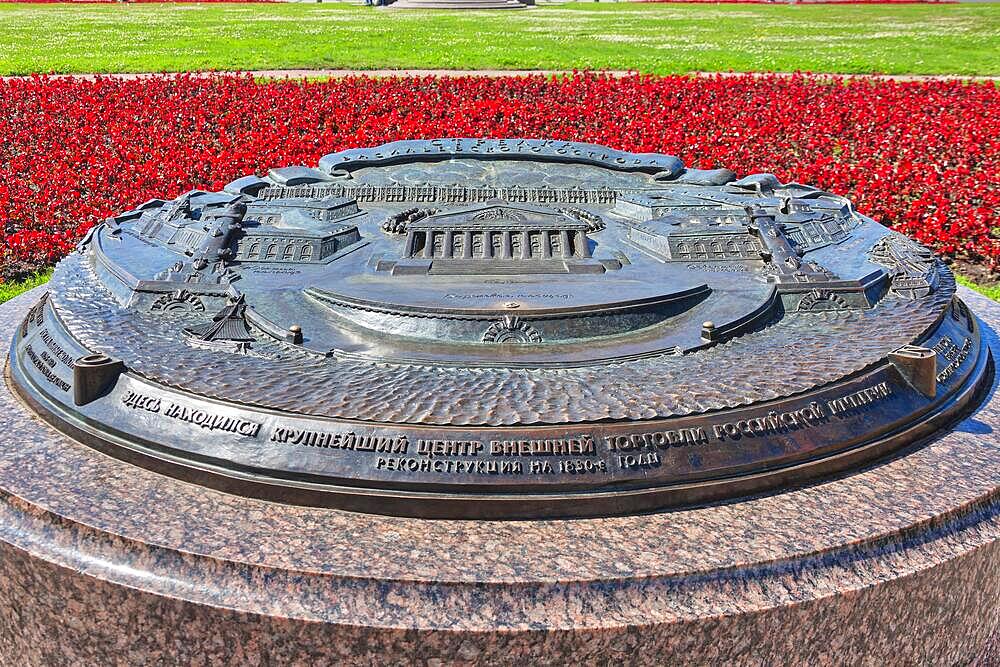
500,329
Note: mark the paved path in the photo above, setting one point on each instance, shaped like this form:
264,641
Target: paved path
339,73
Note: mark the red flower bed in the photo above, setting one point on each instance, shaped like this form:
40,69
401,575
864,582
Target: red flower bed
923,157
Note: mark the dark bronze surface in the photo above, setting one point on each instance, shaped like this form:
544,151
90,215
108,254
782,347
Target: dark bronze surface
499,329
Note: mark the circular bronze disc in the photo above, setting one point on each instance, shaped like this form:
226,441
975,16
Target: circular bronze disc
500,329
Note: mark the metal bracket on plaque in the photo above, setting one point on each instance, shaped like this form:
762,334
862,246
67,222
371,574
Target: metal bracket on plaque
94,376
918,366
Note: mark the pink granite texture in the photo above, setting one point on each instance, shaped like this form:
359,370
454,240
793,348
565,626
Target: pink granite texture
103,563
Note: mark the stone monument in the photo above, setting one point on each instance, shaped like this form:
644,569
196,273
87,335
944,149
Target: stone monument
500,400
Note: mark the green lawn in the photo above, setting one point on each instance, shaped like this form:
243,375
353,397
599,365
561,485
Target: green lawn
992,291
656,38
9,290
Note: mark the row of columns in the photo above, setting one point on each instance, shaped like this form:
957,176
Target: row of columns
579,244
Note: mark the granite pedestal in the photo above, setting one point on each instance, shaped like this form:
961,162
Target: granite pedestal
102,562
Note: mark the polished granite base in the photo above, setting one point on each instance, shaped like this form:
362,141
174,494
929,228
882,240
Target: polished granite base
103,563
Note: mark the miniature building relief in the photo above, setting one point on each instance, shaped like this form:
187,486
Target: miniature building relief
506,304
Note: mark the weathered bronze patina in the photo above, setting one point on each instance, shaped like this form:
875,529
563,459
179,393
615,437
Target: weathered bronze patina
482,328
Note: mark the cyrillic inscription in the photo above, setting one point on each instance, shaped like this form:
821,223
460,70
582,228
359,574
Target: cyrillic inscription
36,315
137,401
56,349
213,422
477,467
641,460
955,355
352,441
562,447
656,440
720,267
449,447
859,399
45,368
814,414
500,296
446,194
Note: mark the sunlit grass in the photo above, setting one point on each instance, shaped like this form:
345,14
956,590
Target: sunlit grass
992,291
652,38
9,290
